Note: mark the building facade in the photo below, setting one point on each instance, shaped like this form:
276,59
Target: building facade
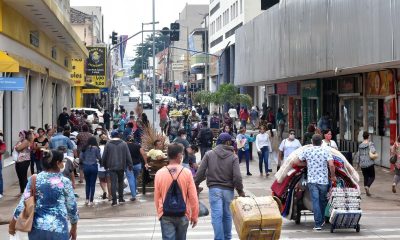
311,65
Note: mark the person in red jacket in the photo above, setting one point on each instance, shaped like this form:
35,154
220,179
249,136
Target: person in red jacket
243,116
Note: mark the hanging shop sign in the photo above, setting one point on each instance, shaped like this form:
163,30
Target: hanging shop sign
293,89
282,88
380,83
310,88
12,84
78,72
346,85
91,91
270,89
99,81
96,63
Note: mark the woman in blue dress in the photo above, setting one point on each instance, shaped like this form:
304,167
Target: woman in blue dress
55,202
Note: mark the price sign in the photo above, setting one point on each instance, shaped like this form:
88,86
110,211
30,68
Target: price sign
99,81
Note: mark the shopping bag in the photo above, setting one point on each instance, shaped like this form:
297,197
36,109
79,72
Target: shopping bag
203,210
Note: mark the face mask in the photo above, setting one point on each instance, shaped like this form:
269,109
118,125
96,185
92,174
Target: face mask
99,132
184,137
291,137
62,168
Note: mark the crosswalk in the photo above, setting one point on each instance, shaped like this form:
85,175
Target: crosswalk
149,228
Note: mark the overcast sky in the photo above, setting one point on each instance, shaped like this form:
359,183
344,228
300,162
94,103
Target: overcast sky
126,16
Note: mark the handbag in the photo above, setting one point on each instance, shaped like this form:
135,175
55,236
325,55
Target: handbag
373,156
25,219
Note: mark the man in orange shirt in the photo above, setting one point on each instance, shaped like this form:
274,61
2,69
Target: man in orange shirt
173,224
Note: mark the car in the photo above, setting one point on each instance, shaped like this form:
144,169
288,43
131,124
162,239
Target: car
147,102
158,97
125,93
168,100
134,96
89,112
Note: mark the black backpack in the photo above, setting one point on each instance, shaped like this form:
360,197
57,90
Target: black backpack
174,205
206,138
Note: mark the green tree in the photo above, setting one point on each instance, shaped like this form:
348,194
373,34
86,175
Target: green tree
145,50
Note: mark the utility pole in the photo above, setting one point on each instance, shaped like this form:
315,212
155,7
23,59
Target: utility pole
188,67
142,77
154,65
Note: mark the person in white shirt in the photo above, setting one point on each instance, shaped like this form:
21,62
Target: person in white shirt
234,116
327,141
263,145
288,146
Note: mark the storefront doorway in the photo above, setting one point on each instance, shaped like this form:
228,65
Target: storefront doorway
351,123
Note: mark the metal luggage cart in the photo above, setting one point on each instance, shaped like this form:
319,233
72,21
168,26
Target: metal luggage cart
347,219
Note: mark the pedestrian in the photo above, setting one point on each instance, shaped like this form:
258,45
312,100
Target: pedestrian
74,134
181,138
2,151
107,119
233,114
287,146
138,155
81,141
206,139
220,167
175,196
102,174
69,167
215,121
308,135
23,148
324,122
41,143
163,111
89,157
281,120
116,116
121,125
145,120
63,118
317,159
263,145
128,132
365,162
116,158
137,135
327,141
395,152
243,116
242,141
254,117
172,128
274,139
55,202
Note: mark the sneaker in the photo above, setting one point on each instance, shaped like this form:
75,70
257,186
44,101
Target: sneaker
1,196
113,204
104,195
121,200
393,189
317,228
91,204
86,202
249,174
132,199
367,191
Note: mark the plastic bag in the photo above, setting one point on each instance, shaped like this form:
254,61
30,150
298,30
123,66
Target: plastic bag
203,210
15,155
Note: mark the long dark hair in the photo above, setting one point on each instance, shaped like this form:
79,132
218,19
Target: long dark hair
269,127
92,142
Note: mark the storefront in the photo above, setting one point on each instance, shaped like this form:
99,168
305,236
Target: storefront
311,104
294,107
381,111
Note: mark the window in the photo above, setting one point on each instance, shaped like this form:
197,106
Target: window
34,38
236,9
241,6
232,14
54,52
65,62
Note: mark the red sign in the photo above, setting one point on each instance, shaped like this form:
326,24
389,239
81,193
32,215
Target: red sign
281,88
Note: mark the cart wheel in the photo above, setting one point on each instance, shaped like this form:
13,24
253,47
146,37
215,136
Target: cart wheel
358,228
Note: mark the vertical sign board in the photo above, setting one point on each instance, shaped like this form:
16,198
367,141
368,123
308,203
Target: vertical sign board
96,66
78,72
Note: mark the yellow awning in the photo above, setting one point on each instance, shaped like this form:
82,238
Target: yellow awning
7,63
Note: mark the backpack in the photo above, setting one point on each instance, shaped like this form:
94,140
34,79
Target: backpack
174,205
206,138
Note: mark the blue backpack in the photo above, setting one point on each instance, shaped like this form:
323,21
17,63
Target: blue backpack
174,205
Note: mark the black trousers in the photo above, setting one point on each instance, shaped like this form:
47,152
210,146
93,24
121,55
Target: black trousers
117,184
369,175
22,173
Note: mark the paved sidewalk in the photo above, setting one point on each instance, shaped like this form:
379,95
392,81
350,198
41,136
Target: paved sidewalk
382,198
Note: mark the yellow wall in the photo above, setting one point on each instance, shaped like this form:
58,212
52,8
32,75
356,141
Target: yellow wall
1,15
12,18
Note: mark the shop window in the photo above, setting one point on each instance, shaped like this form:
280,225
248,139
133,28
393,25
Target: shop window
65,62
54,52
372,116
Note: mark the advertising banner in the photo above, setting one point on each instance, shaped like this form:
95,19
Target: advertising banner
78,72
91,91
12,84
96,63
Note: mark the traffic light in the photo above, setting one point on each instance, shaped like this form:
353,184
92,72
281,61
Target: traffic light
174,34
114,38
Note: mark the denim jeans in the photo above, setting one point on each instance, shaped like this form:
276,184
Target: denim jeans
174,228
263,158
318,197
117,184
132,178
243,123
1,177
246,154
221,218
90,173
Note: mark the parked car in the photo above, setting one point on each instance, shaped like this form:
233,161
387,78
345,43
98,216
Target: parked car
125,93
134,96
147,102
158,97
89,112
168,100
